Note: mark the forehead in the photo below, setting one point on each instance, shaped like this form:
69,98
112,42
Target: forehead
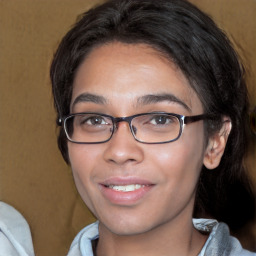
123,73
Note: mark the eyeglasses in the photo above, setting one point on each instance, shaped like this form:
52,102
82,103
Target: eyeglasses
149,128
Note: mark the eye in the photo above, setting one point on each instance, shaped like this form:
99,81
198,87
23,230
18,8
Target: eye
161,120
93,120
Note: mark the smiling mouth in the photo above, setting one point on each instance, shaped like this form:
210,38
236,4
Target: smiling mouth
126,188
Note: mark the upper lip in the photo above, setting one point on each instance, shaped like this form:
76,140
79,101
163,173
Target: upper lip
122,181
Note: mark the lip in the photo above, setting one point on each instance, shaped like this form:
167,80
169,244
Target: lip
125,198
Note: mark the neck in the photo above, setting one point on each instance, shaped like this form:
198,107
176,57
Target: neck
179,238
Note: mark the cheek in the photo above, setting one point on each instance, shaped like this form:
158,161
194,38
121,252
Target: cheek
82,157
181,161
178,164
82,160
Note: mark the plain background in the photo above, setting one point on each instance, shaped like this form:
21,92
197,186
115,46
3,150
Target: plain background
33,176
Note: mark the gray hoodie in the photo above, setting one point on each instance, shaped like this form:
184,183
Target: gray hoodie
219,243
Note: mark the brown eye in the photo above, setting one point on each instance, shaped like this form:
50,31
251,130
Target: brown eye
94,120
161,120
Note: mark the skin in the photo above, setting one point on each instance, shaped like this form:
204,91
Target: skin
159,222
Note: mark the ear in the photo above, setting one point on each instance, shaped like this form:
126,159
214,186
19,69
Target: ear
216,145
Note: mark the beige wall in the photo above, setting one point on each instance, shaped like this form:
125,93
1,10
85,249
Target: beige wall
33,176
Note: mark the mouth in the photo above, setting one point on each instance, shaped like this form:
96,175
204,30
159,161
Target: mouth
125,188
125,191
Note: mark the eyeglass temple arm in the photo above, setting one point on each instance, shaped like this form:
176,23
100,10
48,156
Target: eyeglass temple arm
191,119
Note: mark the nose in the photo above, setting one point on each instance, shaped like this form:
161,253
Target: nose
123,148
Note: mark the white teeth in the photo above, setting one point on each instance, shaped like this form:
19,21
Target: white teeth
126,188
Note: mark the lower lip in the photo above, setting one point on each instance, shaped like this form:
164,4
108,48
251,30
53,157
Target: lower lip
125,198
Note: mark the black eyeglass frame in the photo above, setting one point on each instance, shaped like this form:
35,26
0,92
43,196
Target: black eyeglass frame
182,120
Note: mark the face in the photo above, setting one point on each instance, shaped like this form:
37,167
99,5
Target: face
120,76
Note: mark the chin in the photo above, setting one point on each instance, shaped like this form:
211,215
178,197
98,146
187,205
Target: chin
129,227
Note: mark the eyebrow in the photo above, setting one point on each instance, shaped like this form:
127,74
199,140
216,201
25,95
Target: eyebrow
156,98
88,97
143,100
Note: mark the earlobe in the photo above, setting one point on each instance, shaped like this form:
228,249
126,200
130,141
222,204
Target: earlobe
216,145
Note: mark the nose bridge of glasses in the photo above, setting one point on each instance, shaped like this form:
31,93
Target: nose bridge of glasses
127,119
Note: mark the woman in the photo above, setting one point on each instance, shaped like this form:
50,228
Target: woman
152,106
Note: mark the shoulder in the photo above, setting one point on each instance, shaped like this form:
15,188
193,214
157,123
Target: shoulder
15,236
220,242
81,246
